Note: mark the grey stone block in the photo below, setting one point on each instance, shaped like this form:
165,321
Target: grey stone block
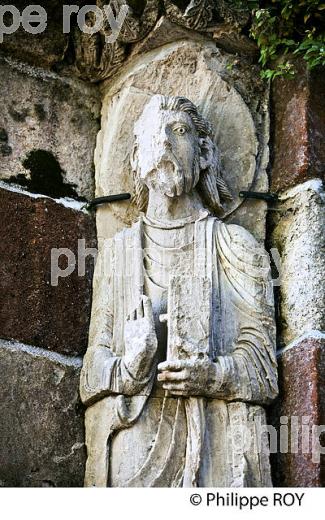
41,427
299,238
48,128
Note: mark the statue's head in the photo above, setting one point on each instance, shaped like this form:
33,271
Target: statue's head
174,153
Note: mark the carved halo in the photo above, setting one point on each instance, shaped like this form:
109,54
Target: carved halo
233,129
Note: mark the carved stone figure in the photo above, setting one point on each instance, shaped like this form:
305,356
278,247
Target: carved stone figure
181,350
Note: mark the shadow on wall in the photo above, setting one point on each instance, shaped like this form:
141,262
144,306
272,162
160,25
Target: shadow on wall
46,176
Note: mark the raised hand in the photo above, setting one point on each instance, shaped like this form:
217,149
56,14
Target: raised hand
140,340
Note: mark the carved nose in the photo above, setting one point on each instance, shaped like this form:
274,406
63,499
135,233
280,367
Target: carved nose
167,143
164,140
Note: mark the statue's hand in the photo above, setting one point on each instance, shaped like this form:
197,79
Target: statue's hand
190,377
140,341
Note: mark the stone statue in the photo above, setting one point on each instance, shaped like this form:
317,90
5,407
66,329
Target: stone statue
181,350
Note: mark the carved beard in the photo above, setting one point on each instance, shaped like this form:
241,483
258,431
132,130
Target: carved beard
171,179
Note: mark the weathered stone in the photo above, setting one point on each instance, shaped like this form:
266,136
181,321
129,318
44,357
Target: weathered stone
298,127
226,36
299,236
163,33
302,401
45,49
240,122
48,127
41,430
35,311
200,15
229,38
151,23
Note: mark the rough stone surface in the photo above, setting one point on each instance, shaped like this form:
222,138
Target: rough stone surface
94,60
152,23
34,311
48,128
41,50
163,33
228,38
41,431
299,235
301,385
298,128
234,103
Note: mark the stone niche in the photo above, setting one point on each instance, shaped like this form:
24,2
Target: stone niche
226,96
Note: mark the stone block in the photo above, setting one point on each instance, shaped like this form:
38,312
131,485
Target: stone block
45,49
302,401
35,311
298,127
41,430
48,128
299,237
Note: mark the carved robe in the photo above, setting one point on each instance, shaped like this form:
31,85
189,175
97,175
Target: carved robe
154,439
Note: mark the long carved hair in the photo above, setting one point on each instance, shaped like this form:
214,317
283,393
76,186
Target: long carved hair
211,186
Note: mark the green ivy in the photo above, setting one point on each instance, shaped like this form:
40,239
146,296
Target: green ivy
287,28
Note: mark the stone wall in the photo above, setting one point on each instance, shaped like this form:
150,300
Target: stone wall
297,231
57,92
48,128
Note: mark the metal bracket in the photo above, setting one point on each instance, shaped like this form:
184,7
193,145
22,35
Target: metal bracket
269,197
109,198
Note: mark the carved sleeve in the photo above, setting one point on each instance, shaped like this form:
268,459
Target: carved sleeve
106,369
248,369
100,363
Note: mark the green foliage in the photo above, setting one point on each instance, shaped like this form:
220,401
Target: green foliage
287,28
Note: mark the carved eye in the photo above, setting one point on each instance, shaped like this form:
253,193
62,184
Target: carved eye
180,129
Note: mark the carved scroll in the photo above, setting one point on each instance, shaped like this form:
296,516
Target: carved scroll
198,14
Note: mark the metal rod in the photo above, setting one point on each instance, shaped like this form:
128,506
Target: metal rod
109,198
269,197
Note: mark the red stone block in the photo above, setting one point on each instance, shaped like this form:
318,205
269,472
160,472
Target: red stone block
302,400
298,108
33,311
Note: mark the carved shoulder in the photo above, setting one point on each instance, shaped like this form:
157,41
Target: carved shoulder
244,248
246,266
